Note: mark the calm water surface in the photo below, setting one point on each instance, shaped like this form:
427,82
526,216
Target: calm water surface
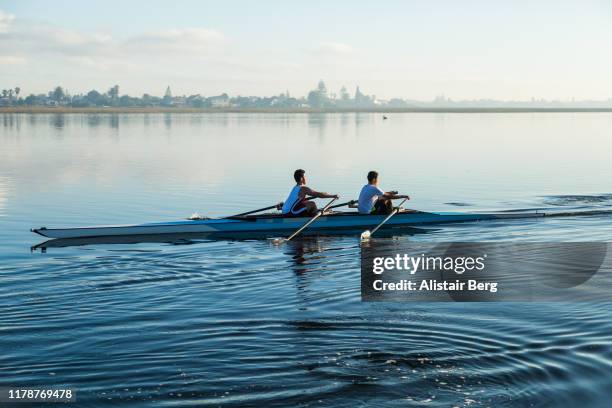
241,323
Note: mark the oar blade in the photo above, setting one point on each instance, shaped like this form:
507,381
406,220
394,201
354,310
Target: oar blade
367,234
277,241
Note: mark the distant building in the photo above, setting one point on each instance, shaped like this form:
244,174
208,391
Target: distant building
167,99
220,101
361,99
179,101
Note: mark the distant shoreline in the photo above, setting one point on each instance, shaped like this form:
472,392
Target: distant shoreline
116,110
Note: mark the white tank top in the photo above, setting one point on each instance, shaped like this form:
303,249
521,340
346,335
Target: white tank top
292,199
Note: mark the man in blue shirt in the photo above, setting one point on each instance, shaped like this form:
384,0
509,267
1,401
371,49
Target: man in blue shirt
372,200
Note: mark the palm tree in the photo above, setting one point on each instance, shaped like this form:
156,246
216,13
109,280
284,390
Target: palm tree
17,91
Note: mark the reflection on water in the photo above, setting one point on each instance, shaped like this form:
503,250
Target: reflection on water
10,121
94,120
168,120
195,321
192,238
4,192
58,120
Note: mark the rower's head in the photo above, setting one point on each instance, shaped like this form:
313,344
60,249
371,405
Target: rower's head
373,177
300,176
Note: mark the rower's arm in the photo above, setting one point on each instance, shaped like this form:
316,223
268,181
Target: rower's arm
310,192
392,195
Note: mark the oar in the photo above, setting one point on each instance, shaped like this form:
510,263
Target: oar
263,209
365,235
197,216
277,241
343,204
256,211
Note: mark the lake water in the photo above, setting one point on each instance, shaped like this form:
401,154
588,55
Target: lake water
241,323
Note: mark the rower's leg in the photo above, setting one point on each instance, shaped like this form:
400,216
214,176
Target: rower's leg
389,206
311,208
383,206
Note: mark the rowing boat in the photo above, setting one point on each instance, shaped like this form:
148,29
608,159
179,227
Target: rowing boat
278,224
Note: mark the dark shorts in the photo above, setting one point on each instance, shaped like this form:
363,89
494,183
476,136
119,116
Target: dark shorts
382,207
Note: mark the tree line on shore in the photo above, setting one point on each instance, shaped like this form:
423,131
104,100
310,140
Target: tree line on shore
319,97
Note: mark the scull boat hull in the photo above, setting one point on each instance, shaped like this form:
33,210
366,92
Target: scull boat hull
270,224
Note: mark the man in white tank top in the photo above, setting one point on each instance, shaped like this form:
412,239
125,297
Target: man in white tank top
372,200
297,203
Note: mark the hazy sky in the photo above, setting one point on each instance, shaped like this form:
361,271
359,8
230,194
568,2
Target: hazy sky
408,49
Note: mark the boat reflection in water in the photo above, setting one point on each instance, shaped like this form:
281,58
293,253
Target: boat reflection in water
194,238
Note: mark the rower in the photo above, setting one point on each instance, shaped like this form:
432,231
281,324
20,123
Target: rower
372,200
297,203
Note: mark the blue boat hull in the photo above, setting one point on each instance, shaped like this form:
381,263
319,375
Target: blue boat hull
273,223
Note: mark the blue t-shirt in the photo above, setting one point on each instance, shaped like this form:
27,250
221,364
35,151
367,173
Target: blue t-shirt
367,197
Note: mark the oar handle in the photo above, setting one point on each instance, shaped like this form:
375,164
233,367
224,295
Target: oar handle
328,205
342,204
